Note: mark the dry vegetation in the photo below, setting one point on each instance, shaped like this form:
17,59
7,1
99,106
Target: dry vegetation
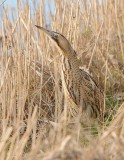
34,123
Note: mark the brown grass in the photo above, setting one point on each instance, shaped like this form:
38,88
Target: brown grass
34,123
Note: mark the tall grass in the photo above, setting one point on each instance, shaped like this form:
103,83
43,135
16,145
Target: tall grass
32,122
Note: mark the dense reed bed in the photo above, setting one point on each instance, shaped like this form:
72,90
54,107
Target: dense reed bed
34,123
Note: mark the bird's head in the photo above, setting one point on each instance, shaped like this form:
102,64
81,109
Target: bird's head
60,40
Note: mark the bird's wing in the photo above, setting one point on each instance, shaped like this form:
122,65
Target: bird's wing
91,92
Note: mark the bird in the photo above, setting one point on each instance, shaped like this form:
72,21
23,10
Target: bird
81,86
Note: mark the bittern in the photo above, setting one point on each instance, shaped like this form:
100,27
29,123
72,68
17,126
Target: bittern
81,86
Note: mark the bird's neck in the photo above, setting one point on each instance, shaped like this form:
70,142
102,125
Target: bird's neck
71,57
70,62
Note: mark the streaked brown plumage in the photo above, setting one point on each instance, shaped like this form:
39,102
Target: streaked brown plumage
81,86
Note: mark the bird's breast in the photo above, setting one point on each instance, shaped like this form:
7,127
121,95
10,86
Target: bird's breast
72,79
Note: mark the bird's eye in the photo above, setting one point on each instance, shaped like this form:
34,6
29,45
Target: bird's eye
55,36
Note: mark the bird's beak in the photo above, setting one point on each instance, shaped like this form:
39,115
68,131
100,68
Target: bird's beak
49,33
